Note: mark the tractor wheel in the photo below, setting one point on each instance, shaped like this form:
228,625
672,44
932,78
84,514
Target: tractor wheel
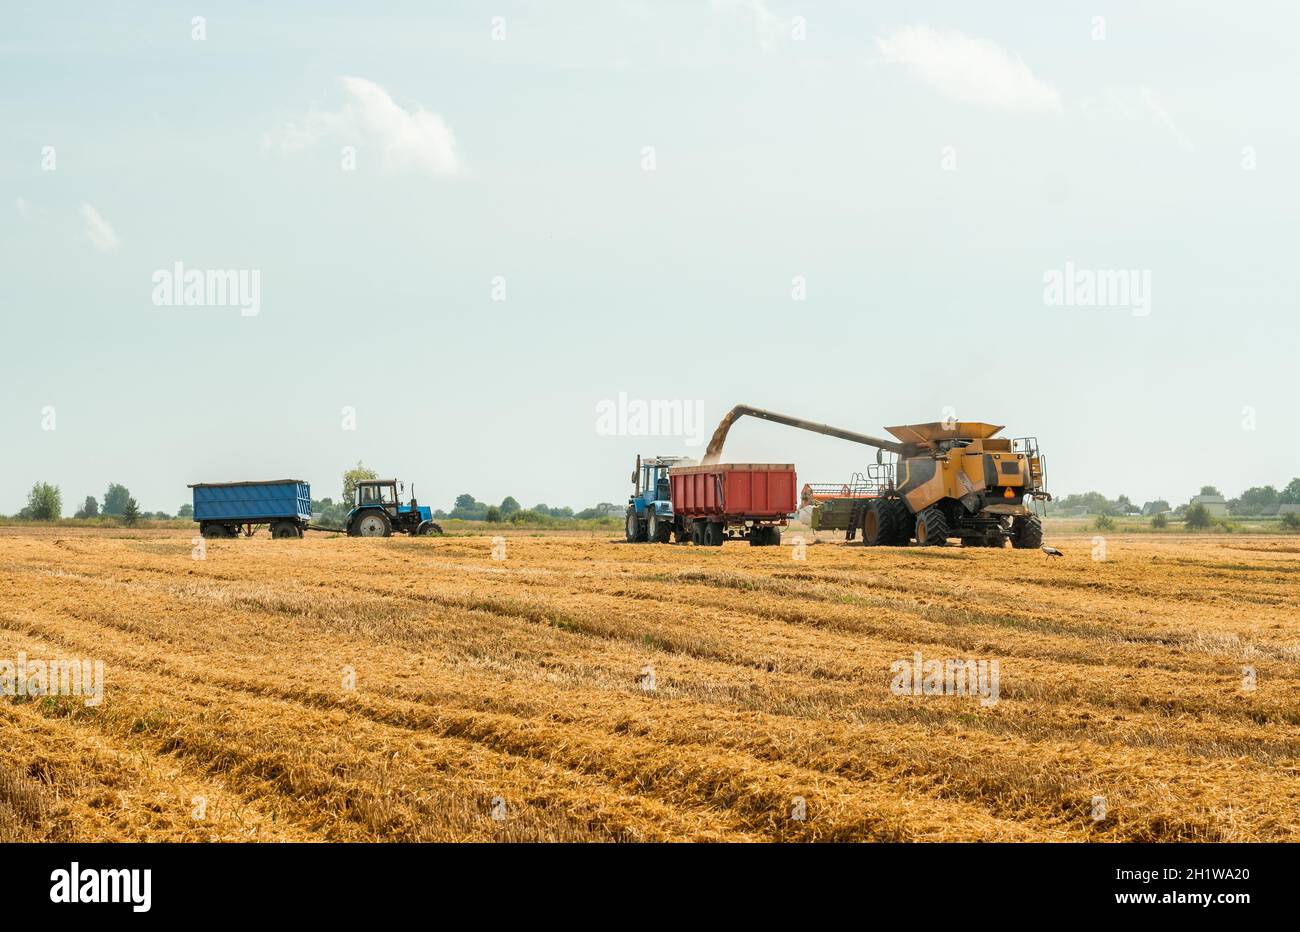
657,529
1027,532
758,537
931,527
214,531
713,534
428,527
697,533
284,529
635,530
371,523
682,531
774,536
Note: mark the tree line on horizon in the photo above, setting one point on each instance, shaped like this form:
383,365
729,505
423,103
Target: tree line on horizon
45,503
1256,501
465,507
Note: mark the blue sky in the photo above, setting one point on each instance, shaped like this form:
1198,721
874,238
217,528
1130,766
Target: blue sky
920,167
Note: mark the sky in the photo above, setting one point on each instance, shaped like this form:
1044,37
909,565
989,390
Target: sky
474,227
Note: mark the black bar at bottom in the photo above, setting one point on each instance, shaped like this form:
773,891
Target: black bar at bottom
332,881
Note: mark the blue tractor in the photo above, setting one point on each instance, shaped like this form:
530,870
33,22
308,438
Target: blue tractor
650,508
378,511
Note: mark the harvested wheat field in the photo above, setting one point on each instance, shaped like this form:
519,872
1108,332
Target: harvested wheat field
509,699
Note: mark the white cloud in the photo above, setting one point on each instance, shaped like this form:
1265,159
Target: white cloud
414,140
973,70
99,230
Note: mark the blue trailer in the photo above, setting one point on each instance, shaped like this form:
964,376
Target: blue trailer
224,509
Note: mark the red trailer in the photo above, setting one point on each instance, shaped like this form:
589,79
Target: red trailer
733,500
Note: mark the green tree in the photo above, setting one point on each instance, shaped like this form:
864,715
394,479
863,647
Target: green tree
130,512
1255,501
185,511
354,475
88,509
1197,517
1291,494
509,506
469,508
1210,490
328,513
1156,507
115,499
44,502
1093,503
493,514
1159,520
1291,521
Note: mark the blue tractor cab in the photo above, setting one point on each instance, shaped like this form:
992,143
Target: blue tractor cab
650,507
378,511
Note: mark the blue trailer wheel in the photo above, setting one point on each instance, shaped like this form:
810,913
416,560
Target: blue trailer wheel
285,529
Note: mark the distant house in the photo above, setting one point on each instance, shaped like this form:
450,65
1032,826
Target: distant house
1214,504
1155,508
1288,509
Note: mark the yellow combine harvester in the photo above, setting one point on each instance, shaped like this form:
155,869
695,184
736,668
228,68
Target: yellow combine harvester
950,479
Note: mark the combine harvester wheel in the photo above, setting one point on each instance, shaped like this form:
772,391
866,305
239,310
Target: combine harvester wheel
886,523
1027,533
931,528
